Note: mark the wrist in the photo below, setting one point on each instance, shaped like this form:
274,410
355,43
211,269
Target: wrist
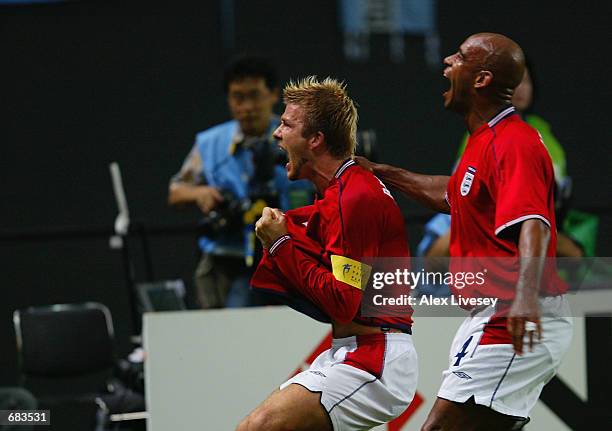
277,243
522,296
198,191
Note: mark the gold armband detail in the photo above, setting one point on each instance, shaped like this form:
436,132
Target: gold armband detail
350,271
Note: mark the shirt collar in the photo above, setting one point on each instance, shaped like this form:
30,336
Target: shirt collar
503,114
343,167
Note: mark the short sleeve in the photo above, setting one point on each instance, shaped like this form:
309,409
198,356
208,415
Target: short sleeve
525,182
191,171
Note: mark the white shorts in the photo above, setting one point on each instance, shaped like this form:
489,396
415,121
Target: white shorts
483,364
365,380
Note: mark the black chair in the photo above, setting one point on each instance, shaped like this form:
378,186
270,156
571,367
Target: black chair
67,340
66,356
165,295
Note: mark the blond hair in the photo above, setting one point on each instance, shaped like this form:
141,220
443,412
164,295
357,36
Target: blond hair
327,109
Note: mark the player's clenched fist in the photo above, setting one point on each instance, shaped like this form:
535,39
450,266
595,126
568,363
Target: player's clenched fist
271,226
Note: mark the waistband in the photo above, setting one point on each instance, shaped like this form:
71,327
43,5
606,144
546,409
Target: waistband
502,307
366,339
387,327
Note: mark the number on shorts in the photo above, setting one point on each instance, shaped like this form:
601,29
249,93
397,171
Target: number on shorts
462,352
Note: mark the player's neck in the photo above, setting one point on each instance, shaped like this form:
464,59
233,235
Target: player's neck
482,114
323,170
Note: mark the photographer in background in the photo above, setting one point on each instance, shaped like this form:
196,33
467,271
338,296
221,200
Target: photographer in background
230,166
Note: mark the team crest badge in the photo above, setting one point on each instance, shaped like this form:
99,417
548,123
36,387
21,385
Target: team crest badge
468,179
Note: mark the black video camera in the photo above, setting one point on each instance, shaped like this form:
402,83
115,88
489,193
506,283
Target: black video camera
233,214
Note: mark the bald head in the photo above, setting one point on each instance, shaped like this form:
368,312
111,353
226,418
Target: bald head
483,73
498,54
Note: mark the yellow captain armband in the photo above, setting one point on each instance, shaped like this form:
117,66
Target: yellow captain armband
350,271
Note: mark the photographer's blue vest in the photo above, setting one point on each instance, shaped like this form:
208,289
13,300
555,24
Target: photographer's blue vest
230,167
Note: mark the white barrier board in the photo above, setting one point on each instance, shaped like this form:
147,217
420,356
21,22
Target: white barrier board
207,369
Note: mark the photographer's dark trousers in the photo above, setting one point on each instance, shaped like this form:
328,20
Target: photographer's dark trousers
223,281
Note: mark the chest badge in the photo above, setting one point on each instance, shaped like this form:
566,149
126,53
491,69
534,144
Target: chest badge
468,179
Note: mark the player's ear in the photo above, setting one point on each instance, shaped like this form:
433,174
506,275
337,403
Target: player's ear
483,79
316,141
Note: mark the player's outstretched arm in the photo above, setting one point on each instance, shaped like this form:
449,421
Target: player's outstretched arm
429,190
524,316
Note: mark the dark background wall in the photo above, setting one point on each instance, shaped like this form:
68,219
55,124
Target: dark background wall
87,83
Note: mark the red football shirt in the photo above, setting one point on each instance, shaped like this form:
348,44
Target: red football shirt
504,177
356,218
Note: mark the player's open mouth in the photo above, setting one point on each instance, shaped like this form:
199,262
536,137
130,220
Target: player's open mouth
446,94
450,83
284,150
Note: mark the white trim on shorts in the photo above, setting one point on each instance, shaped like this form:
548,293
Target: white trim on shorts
357,399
